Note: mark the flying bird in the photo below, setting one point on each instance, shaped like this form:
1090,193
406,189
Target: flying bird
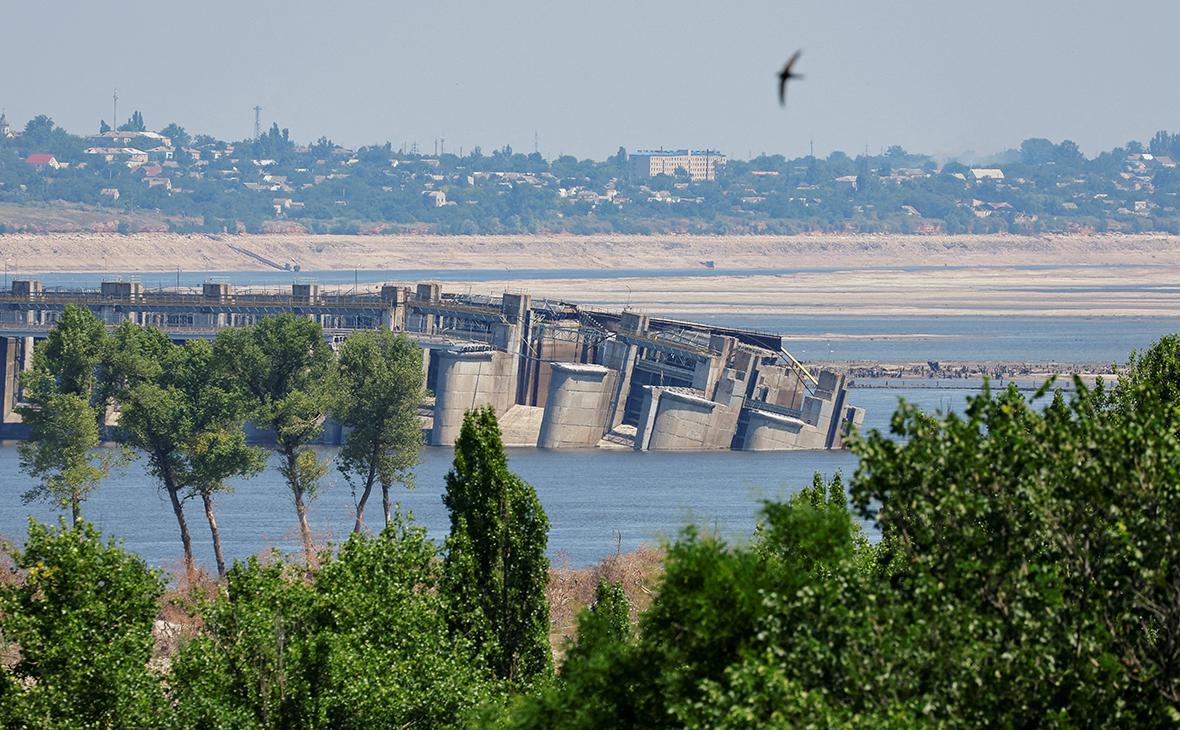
786,75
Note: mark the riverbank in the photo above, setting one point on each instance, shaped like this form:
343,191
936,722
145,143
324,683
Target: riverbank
737,275
167,252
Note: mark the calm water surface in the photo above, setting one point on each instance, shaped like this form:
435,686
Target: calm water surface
594,498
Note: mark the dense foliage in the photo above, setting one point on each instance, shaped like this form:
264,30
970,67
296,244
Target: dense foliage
380,387
274,184
1026,575
280,367
82,619
363,645
63,408
496,566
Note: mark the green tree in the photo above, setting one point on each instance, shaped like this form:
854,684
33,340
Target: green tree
62,415
1151,377
188,421
180,138
82,617
495,570
134,123
379,390
282,366
364,645
62,450
1026,576
606,621
72,351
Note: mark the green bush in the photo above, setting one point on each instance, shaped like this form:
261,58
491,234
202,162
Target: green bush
82,617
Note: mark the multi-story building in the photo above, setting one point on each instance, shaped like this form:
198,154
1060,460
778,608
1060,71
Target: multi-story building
698,164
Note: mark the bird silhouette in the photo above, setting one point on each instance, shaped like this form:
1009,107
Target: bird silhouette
786,75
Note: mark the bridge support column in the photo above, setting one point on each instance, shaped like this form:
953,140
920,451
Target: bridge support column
468,380
9,379
577,406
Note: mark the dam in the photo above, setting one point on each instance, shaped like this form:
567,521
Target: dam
557,374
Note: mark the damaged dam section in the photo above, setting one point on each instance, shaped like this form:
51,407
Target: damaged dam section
558,375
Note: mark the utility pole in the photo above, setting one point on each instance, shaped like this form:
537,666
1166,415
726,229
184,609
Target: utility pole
257,122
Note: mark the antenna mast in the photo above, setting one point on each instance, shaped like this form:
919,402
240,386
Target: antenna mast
115,111
257,122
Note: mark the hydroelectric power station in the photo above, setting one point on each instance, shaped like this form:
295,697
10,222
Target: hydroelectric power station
557,374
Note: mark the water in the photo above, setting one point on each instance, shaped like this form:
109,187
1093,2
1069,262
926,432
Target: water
592,496
972,338
597,500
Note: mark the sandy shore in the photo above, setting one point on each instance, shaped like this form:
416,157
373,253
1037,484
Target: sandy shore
166,252
898,275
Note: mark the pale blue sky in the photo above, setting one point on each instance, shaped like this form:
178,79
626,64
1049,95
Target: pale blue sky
939,76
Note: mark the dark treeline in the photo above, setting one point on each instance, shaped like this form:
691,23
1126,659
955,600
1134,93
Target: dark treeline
274,184
1027,575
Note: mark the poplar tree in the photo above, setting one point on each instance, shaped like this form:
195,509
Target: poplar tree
496,570
63,415
282,366
188,422
379,390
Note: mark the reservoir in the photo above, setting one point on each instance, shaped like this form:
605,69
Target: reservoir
598,500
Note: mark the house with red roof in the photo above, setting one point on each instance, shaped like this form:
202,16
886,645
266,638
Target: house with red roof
41,160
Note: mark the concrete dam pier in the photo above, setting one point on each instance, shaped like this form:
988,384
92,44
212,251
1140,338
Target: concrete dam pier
558,375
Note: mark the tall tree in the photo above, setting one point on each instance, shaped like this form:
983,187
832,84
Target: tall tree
282,365
134,123
496,570
62,450
72,351
61,412
188,422
178,135
379,390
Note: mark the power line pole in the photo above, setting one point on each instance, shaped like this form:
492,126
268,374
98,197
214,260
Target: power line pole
257,122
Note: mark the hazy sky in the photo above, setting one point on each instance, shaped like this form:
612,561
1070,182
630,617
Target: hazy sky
939,76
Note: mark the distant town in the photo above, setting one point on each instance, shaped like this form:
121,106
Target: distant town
130,179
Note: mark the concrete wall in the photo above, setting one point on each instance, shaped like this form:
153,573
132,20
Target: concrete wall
823,421
469,380
8,384
774,432
674,420
577,407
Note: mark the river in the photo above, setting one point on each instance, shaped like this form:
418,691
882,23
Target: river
597,500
